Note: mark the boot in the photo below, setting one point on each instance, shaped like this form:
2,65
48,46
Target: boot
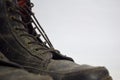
21,44
12,71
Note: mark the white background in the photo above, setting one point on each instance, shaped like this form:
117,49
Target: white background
86,30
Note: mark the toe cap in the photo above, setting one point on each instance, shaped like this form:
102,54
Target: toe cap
98,73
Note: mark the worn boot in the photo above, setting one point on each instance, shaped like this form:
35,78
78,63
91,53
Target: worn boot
13,71
21,44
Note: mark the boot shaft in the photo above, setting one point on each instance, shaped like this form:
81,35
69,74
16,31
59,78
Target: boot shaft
16,42
15,30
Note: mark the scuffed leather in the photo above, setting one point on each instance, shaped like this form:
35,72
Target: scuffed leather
66,66
85,72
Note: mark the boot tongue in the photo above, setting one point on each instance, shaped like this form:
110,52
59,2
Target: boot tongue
22,2
26,18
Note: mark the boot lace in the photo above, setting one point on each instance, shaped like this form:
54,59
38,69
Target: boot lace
45,44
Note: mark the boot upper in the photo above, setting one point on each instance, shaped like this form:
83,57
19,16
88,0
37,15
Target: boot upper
21,44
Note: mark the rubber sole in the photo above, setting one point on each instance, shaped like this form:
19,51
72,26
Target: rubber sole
79,77
83,78
100,73
107,78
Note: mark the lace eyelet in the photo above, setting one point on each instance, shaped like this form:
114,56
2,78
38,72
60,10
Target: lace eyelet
29,43
36,49
12,17
31,5
21,35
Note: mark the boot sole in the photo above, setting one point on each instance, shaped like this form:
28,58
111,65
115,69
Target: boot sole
77,77
107,78
96,74
72,77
